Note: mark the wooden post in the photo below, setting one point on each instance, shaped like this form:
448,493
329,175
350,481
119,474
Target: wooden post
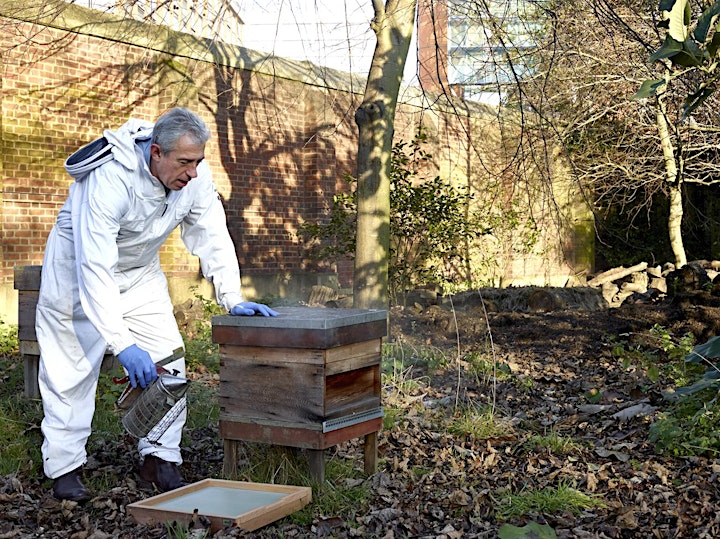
370,453
230,458
317,465
27,282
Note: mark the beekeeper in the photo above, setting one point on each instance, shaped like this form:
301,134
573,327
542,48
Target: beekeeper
102,287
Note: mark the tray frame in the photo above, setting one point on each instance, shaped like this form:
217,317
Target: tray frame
147,512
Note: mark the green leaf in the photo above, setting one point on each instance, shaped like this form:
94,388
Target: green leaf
698,386
696,99
707,350
714,44
686,60
648,89
669,48
666,5
653,373
679,17
705,21
691,48
533,530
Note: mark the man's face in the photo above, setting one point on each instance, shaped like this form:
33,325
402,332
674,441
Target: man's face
176,168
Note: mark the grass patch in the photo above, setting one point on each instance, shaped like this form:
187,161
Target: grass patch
562,498
202,405
9,344
392,416
201,353
484,368
344,492
430,358
20,436
106,421
399,382
553,443
398,366
479,422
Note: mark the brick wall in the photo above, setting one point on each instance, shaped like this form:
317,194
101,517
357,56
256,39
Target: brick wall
277,150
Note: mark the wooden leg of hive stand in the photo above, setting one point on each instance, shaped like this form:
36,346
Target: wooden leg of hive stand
230,458
370,453
317,464
32,390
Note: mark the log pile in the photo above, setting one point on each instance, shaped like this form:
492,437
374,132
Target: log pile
644,283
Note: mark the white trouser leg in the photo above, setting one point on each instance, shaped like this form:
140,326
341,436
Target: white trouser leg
71,352
71,356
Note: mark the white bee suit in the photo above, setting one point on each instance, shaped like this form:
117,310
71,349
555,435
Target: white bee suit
102,286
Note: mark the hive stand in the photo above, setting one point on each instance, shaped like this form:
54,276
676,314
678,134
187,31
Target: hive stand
308,378
27,283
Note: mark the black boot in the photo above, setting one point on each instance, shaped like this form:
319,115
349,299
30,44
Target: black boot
69,486
161,473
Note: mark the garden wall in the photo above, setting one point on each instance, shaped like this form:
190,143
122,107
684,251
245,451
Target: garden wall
283,136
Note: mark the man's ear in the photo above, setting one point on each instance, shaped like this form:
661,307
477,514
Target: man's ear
155,151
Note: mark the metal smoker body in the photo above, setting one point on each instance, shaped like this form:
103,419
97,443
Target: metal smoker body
149,412
156,407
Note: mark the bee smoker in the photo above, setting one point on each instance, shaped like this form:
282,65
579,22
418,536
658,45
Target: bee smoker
149,412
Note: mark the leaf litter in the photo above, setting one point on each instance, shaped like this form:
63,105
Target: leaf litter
436,482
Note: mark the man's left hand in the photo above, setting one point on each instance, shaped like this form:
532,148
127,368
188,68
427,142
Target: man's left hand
248,308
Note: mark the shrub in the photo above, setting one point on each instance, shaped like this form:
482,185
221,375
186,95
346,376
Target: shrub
431,224
689,426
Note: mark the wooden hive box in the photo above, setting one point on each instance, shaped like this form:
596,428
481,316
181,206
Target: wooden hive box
308,378
27,283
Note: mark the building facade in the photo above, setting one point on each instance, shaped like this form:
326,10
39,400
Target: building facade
477,50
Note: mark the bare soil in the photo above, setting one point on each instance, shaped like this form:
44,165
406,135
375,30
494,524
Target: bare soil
562,377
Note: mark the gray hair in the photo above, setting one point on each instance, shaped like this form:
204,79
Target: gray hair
174,124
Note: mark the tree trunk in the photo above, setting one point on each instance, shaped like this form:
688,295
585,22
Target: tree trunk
674,178
393,26
674,225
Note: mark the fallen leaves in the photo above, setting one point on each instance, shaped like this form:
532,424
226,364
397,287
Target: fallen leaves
436,484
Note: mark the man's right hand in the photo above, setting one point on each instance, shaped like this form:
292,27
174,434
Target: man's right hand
140,368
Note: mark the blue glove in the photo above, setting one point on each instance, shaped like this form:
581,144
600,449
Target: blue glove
248,308
139,366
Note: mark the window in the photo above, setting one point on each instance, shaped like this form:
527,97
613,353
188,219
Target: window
491,43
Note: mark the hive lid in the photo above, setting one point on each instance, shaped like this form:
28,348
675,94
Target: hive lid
301,327
304,318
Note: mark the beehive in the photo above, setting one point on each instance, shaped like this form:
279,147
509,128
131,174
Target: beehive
308,378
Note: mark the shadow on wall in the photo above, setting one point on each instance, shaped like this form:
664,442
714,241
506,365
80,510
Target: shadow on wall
281,160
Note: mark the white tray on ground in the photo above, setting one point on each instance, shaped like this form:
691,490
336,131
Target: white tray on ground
224,503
